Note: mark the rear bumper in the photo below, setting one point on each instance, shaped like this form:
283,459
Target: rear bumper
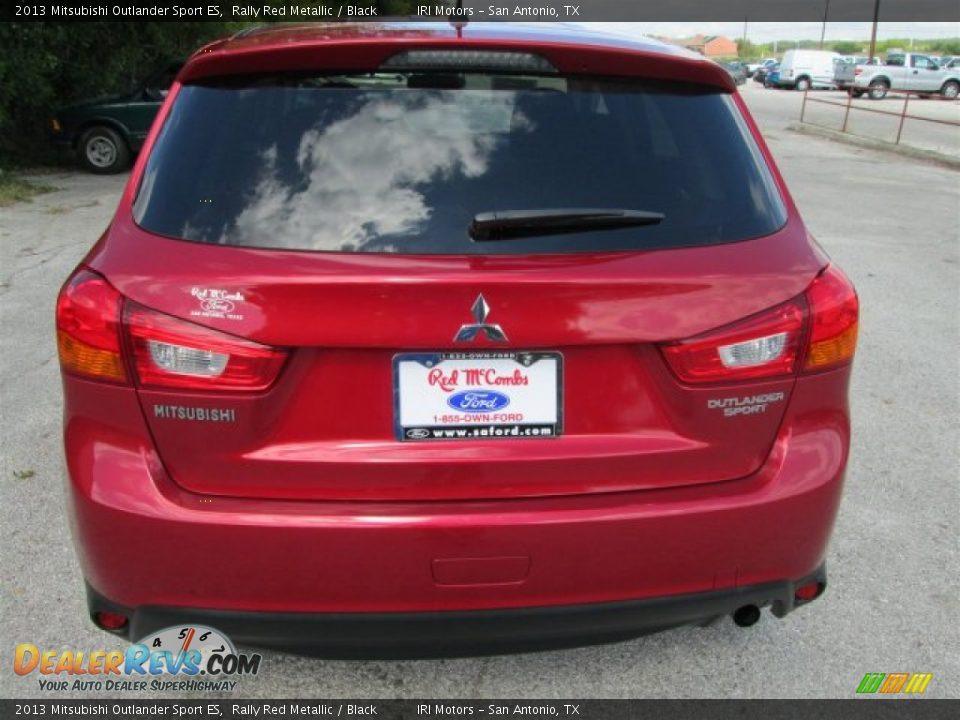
450,634
160,552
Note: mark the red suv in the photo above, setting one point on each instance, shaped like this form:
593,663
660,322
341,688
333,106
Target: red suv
411,339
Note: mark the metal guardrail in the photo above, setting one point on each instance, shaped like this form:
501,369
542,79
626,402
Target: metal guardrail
902,114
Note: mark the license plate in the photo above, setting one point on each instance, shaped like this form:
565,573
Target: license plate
475,396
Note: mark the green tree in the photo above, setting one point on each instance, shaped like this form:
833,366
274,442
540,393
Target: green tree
46,65
949,46
847,47
746,50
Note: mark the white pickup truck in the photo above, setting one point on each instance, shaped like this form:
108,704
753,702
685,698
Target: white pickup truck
904,71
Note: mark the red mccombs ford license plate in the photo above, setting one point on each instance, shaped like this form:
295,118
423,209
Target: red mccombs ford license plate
477,395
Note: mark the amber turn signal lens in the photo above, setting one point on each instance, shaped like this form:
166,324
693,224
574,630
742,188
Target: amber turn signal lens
834,312
88,328
86,360
833,351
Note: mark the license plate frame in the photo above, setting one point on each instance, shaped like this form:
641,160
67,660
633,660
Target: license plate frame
410,423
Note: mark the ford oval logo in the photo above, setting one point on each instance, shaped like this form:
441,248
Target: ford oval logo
478,401
418,433
217,305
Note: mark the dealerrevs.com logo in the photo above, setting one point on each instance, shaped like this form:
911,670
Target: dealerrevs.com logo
180,658
894,683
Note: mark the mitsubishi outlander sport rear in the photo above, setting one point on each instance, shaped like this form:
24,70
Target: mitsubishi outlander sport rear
411,341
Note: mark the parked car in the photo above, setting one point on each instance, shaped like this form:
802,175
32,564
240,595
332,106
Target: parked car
753,68
860,60
913,72
760,75
771,78
807,69
106,133
737,70
845,72
331,388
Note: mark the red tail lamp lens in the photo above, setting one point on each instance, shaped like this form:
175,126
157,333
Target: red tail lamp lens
769,344
761,346
834,310
88,328
110,620
806,593
173,353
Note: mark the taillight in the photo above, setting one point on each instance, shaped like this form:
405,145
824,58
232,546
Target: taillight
834,314
88,328
762,346
858,71
819,329
806,593
173,353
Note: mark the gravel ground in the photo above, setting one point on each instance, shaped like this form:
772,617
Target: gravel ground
892,223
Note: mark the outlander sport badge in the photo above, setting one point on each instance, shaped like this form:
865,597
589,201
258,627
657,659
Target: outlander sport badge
480,310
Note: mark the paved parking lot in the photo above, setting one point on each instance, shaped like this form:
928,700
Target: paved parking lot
892,604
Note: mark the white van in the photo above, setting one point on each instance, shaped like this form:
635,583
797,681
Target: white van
805,69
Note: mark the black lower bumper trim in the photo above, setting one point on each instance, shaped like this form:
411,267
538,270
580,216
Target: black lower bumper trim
459,633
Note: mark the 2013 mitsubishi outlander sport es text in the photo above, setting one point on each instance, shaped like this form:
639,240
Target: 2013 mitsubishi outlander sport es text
413,340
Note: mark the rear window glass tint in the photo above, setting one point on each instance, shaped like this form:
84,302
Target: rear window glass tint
401,163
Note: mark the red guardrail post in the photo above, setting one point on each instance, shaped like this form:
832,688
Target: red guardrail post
846,114
903,116
902,113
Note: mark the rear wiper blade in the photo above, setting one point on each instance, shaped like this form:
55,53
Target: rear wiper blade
507,224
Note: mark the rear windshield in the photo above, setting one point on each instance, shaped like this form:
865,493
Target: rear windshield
402,163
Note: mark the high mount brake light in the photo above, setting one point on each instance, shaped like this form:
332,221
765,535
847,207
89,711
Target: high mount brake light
173,353
771,343
468,60
88,328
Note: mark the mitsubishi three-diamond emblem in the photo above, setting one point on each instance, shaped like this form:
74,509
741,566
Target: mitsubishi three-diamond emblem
480,310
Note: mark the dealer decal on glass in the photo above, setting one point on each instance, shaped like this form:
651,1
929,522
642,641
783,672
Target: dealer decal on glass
477,395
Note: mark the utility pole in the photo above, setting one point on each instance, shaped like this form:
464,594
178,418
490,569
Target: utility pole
823,31
873,33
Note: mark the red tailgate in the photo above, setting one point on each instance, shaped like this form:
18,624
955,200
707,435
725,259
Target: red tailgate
325,429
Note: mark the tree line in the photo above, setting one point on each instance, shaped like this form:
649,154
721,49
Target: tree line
748,50
47,65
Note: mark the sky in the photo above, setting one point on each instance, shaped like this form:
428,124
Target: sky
767,31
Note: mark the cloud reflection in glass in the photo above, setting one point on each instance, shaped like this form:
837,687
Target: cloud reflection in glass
359,179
